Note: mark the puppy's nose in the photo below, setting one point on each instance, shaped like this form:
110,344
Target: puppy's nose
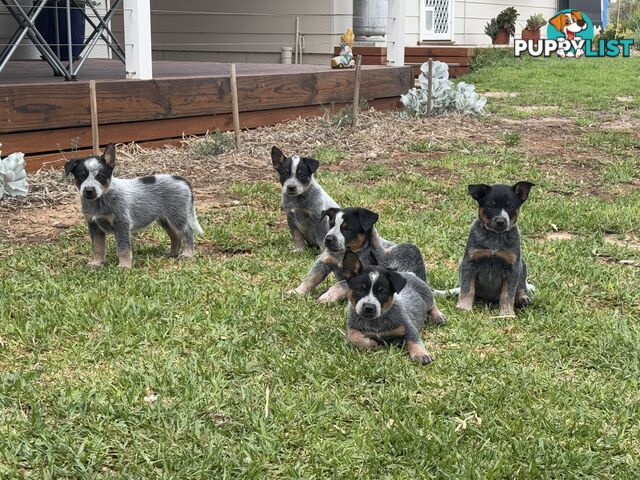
501,222
369,309
90,192
330,240
291,188
581,23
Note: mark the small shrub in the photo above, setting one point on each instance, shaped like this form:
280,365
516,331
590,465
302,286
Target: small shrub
535,22
344,117
506,20
212,145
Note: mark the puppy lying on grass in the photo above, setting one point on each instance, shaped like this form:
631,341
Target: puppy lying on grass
385,305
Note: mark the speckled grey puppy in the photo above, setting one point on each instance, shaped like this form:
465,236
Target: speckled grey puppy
385,305
303,200
123,206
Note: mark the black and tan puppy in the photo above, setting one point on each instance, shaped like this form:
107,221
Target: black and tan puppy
353,229
493,268
385,305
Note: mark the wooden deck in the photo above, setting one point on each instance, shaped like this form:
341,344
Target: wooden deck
457,56
43,115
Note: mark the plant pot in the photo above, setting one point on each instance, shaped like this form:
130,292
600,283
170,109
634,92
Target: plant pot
502,38
46,25
531,35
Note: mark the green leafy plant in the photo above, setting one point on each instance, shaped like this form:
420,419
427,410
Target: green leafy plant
506,20
535,22
491,29
614,32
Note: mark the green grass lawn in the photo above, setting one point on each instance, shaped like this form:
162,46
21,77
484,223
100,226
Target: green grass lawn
253,384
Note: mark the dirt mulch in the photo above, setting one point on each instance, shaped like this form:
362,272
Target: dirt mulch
382,137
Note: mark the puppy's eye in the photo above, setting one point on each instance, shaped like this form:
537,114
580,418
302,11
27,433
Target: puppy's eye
362,288
380,290
101,177
509,205
286,173
491,204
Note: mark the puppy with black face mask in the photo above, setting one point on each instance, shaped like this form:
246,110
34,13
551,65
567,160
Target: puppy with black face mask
123,206
385,306
493,268
303,200
353,229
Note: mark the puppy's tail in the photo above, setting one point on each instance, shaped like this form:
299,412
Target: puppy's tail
454,292
193,220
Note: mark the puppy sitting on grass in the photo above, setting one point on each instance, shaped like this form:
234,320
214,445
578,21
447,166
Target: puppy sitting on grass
385,305
123,206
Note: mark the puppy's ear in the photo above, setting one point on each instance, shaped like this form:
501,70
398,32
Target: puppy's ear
312,163
522,189
398,282
558,22
70,166
109,155
577,14
477,191
351,265
367,218
330,213
277,157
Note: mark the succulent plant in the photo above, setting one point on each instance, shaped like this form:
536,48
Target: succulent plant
506,20
536,22
492,29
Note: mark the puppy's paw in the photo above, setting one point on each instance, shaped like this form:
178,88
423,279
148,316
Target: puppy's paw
170,253
126,265
507,310
523,301
423,358
294,292
95,263
327,297
437,317
185,256
464,305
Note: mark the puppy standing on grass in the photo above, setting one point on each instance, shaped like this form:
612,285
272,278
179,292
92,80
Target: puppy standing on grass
303,200
493,268
385,305
123,206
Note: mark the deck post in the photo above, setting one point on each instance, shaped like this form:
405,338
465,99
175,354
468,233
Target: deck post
395,35
137,39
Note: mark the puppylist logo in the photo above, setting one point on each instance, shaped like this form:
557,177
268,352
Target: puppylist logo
570,35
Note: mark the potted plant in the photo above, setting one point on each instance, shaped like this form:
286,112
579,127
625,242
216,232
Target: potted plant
532,30
55,11
503,27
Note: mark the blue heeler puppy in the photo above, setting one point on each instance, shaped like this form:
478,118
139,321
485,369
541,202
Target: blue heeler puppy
303,200
353,229
123,206
385,305
493,268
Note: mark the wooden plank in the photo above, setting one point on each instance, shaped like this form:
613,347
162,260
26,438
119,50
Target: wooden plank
442,51
159,131
365,51
462,61
42,107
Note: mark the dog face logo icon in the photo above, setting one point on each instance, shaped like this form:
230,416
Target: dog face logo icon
570,28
